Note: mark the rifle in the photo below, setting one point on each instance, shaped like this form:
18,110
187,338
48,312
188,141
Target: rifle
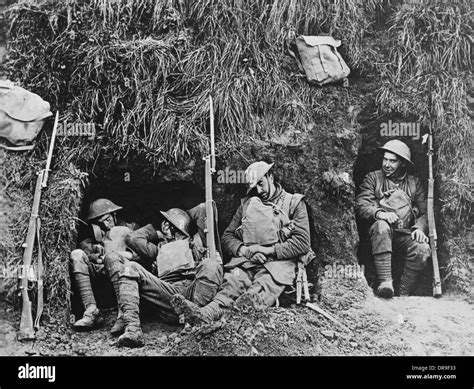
26,331
431,219
211,212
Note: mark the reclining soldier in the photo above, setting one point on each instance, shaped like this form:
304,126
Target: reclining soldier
180,269
268,234
88,261
394,205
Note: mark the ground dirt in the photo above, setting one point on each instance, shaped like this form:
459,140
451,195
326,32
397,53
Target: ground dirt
370,326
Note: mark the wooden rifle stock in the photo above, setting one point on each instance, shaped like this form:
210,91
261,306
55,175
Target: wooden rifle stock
431,220
26,323
26,331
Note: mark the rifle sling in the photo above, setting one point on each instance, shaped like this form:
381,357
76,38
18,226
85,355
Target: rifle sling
39,307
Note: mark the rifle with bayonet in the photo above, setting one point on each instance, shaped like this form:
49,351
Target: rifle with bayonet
211,212
27,331
431,219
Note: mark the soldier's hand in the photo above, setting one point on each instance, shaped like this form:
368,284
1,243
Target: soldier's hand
390,217
256,248
96,258
258,258
419,236
252,250
242,252
99,249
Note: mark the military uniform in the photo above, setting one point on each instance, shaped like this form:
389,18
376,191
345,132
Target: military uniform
198,284
270,279
277,225
386,238
88,263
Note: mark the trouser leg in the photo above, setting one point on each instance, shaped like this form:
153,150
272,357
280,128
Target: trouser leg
83,270
114,264
208,279
235,284
129,300
381,240
265,288
136,281
416,256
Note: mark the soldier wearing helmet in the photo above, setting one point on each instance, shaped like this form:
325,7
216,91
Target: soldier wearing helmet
177,266
393,204
268,234
89,261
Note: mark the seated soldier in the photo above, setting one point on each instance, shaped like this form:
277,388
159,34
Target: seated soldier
394,205
180,269
87,262
268,234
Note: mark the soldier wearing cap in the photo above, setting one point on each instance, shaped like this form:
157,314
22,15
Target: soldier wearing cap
177,266
88,262
267,235
393,203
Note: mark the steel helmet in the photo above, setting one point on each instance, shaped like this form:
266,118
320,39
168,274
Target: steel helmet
101,207
179,219
399,148
255,172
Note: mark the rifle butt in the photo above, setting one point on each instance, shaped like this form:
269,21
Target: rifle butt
437,291
26,331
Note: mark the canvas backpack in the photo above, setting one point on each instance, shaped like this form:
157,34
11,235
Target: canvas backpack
22,114
318,57
175,256
398,201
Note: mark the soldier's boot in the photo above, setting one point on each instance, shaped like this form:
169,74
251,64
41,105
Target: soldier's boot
91,319
113,264
79,266
119,326
191,313
385,289
129,300
132,337
383,268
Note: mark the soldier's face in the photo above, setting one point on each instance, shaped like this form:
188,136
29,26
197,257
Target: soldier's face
265,187
107,221
390,164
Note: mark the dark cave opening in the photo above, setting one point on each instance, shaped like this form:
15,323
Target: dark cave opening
141,201
376,131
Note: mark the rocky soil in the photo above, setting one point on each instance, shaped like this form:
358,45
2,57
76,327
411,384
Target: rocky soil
369,326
